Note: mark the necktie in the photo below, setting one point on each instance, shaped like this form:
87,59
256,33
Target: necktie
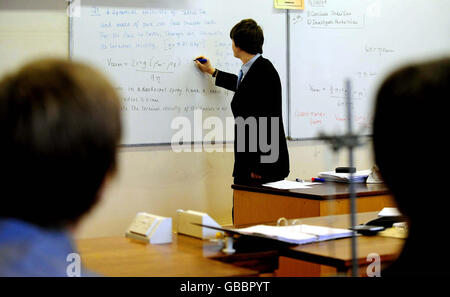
239,78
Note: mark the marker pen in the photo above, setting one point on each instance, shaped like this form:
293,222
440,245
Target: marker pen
201,60
315,179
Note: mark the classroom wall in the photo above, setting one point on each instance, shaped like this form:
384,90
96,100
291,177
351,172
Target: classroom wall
151,179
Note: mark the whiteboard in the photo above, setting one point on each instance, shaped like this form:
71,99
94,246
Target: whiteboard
360,40
147,49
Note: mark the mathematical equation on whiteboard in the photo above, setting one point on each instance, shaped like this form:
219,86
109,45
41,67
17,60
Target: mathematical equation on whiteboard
151,53
336,95
162,30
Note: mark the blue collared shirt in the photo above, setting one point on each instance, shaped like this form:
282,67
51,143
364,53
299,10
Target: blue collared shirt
246,67
28,250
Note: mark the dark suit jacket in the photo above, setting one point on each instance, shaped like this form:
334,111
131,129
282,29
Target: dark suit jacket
258,96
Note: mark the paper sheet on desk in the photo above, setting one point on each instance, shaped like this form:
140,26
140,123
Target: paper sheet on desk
288,185
389,212
297,234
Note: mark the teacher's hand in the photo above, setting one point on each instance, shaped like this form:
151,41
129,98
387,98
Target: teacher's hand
205,66
255,176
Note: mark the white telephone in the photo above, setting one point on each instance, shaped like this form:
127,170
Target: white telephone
185,226
150,228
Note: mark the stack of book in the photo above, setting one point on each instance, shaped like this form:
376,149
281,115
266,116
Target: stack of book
357,177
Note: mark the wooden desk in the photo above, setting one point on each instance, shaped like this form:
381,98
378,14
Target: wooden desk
257,204
184,257
192,257
337,253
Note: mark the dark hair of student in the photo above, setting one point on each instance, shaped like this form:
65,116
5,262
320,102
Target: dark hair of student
248,36
409,142
59,131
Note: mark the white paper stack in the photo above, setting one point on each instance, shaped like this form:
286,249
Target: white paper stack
297,234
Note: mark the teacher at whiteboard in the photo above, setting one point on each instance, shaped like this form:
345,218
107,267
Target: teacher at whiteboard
260,148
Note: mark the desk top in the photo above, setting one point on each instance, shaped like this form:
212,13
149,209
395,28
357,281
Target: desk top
191,257
184,257
321,191
337,253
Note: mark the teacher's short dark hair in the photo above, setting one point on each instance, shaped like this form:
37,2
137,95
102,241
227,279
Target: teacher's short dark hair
248,36
59,131
410,136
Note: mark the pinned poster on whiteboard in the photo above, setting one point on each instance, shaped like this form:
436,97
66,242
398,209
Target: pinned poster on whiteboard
289,4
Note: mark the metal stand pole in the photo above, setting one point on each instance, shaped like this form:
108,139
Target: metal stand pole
352,186
349,141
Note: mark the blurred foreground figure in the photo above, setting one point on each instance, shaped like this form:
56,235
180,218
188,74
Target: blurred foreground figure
59,131
411,150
